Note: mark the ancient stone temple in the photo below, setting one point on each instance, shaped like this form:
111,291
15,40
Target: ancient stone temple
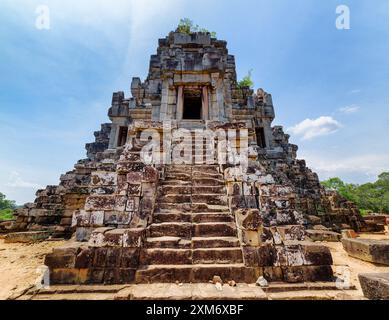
188,181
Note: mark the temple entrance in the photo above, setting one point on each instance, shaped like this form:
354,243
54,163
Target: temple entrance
192,106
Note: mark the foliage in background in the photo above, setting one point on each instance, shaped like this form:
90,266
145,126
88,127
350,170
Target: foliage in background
6,208
369,197
187,26
6,214
247,81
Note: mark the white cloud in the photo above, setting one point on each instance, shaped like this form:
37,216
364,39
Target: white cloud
350,109
309,129
16,181
357,169
355,91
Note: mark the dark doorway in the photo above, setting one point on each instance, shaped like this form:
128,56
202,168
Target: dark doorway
122,139
192,107
261,139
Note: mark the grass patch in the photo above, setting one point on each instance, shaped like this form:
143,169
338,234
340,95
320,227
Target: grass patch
6,214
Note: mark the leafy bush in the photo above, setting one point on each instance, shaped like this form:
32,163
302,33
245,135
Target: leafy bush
369,197
187,26
247,81
6,208
6,204
6,214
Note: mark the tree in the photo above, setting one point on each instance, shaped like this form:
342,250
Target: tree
6,204
247,81
334,184
369,197
6,208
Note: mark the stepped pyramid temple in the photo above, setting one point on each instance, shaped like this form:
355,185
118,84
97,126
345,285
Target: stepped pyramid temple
188,181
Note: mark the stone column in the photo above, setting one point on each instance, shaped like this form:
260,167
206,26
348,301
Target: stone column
180,103
164,100
205,104
220,99
113,137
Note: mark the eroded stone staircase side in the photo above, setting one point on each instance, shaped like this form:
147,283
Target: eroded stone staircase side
187,223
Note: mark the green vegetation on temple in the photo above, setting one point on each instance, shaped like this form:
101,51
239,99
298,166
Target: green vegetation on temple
6,208
369,197
188,27
247,81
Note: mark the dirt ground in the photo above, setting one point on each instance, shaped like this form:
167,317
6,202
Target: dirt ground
20,263
19,266
355,266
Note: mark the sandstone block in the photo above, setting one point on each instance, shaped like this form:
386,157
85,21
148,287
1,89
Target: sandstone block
26,237
150,175
375,251
97,218
117,218
132,204
84,258
99,259
130,258
113,258
234,189
375,286
323,235
316,255
101,179
69,276
100,203
60,261
134,238
249,238
83,234
249,219
288,233
114,238
134,190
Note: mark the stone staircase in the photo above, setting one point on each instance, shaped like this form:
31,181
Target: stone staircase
193,236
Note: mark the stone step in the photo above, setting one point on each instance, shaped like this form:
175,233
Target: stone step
165,257
176,199
205,175
178,169
163,242
172,190
212,217
210,199
182,177
221,190
217,256
172,217
168,256
189,207
176,183
183,207
214,229
168,242
198,182
195,273
181,230
215,242
202,207
194,243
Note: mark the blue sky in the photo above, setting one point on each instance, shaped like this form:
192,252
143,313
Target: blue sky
330,87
